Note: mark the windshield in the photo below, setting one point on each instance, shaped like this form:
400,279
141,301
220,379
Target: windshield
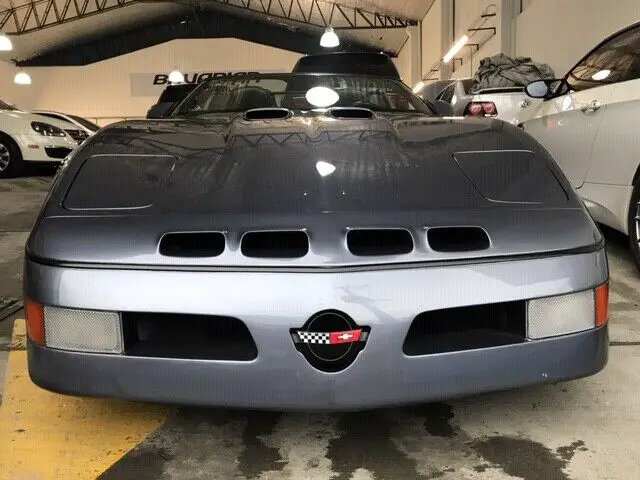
6,106
85,123
300,92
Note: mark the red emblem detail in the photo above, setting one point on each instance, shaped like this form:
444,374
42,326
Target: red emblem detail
348,336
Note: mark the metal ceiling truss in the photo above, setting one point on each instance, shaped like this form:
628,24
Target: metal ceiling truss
39,14
318,13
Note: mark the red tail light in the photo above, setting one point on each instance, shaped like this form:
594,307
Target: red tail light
481,109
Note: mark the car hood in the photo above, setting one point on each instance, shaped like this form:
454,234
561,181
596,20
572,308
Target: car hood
34,117
133,182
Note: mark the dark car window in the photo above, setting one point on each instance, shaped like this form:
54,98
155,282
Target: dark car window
301,92
176,93
616,60
86,123
467,83
6,106
356,63
447,93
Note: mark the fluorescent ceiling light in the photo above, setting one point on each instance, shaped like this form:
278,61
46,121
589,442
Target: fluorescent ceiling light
176,77
455,49
22,78
325,168
329,39
322,97
5,44
601,75
418,87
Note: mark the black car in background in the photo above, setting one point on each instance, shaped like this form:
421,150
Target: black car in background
169,99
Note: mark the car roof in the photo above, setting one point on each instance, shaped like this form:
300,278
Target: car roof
348,62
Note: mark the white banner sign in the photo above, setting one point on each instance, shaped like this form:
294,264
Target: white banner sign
152,84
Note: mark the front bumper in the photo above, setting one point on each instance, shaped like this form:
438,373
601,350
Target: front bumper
38,148
375,380
271,303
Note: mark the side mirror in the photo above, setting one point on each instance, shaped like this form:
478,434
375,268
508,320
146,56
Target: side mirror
443,109
546,88
160,110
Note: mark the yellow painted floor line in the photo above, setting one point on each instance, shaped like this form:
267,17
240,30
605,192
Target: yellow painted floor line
46,436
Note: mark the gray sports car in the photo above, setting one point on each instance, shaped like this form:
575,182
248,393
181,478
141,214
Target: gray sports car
311,241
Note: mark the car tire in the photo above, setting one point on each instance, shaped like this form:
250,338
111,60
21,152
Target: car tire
634,224
11,163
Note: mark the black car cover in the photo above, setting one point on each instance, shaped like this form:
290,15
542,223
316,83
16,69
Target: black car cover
501,71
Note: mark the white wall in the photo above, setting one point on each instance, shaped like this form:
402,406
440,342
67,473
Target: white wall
431,38
403,63
466,13
103,89
560,33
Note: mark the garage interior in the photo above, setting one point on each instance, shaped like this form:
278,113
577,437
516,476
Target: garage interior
110,60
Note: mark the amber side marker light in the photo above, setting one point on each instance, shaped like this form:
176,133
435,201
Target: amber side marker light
602,304
34,313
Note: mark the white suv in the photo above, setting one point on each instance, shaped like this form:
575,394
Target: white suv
588,121
26,137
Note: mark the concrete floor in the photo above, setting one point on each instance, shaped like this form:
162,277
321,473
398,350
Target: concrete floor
585,429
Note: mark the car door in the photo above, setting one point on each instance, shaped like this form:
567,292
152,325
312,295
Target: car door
567,125
616,151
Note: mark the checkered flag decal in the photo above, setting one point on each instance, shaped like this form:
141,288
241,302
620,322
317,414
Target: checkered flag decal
321,338
329,338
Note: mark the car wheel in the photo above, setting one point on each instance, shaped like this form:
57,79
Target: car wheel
10,158
634,224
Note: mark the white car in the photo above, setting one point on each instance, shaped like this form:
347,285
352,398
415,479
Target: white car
27,137
588,121
503,103
84,125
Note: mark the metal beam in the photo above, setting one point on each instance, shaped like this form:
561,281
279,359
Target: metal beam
199,24
317,13
39,14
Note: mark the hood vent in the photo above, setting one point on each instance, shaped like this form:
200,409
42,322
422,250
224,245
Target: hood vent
457,239
365,242
267,113
192,244
283,244
350,112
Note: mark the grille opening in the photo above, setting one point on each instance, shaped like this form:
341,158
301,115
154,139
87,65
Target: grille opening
192,244
367,242
294,244
467,328
350,112
267,113
457,239
201,337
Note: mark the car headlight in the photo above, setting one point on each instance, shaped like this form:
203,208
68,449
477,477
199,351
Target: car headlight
48,130
567,314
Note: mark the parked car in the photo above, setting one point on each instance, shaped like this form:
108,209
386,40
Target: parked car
503,103
170,97
313,253
588,120
27,137
348,62
85,127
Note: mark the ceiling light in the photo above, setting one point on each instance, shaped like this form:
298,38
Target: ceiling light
329,39
176,77
601,75
418,87
22,78
325,168
455,49
5,44
321,97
